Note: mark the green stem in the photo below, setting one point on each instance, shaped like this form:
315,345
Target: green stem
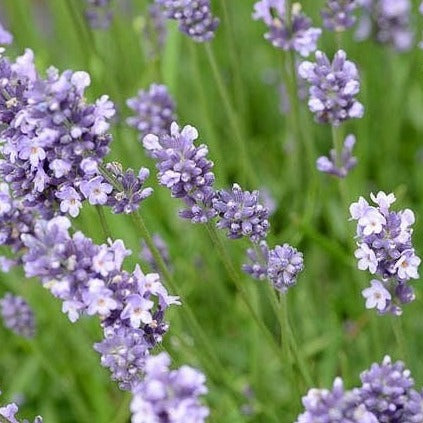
337,140
103,222
244,296
187,313
289,343
399,336
232,117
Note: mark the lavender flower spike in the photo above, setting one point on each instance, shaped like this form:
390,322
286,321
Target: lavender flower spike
348,162
280,266
17,315
335,406
385,249
338,14
161,246
8,414
185,169
154,111
241,214
297,35
166,395
195,17
333,88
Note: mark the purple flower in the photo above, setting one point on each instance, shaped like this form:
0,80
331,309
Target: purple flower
5,36
8,414
284,265
70,201
335,406
385,390
154,111
194,17
347,160
99,13
390,21
155,31
52,132
385,249
185,170
240,214
280,266
258,261
17,315
297,35
338,14
128,191
96,190
333,88
169,395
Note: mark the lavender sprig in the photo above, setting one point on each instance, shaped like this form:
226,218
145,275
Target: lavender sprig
385,249
17,315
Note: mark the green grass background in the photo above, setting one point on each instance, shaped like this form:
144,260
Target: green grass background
58,372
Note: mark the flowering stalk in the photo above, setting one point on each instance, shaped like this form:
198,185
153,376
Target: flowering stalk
103,222
214,236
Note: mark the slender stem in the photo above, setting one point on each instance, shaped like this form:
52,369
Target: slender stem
289,343
189,316
232,117
103,222
337,139
399,336
244,296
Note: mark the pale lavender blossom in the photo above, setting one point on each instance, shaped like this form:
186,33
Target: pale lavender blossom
128,188
155,31
280,265
51,133
96,190
346,163
296,34
334,406
99,13
386,395
385,249
333,88
185,169
17,315
377,296
8,414
338,15
241,214
194,17
166,395
154,111
389,21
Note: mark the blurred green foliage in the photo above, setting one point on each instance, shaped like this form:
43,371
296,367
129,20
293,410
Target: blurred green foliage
60,375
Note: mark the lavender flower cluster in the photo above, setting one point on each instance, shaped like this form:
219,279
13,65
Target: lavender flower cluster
386,395
385,249
194,17
89,279
186,171
333,88
166,395
280,265
292,31
339,167
99,13
8,413
389,21
17,315
154,111
338,15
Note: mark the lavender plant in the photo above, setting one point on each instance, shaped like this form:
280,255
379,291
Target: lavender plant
8,413
385,249
288,30
17,315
